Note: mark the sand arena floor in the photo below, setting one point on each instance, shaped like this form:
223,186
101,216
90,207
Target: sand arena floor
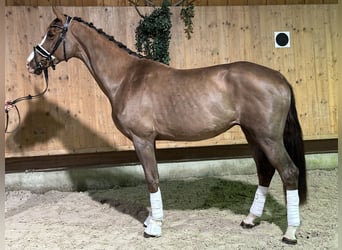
200,213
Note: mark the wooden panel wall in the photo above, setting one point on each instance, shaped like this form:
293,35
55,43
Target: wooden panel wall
74,116
157,2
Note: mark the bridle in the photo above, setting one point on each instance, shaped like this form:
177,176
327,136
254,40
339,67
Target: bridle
38,49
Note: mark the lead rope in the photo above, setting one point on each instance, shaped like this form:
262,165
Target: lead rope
12,104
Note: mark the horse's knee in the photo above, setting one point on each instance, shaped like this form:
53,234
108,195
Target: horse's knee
152,185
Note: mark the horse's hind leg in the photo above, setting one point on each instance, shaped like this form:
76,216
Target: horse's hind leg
265,173
276,153
145,150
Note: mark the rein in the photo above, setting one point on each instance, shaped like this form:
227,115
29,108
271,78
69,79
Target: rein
47,55
12,104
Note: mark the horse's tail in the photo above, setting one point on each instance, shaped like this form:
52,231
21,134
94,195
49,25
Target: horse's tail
293,140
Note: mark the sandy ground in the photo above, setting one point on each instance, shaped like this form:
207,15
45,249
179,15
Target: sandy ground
199,214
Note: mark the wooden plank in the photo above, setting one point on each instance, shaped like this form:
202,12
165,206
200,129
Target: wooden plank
295,1
44,2
275,2
331,38
330,1
218,2
202,3
313,1
309,73
257,2
158,2
92,3
237,2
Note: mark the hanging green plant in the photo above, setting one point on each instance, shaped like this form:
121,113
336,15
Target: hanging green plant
153,34
187,13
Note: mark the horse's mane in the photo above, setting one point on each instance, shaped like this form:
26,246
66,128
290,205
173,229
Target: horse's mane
110,38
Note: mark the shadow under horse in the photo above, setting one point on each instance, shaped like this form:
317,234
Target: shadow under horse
179,195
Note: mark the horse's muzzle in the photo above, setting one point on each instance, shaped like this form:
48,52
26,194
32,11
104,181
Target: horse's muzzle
36,65
36,69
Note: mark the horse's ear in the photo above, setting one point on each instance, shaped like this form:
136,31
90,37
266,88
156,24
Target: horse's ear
59,14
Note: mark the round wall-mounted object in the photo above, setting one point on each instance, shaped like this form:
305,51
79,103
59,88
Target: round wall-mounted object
282,39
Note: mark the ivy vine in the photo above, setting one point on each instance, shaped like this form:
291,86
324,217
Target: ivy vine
153,34
187,13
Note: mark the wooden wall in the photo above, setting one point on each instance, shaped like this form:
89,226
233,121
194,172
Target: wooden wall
74,116
157,2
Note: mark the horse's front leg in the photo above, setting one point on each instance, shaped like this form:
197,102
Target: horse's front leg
145,150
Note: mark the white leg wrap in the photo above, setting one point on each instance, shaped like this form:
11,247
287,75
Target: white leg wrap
156,205
292,198
147,220
259,201
153,222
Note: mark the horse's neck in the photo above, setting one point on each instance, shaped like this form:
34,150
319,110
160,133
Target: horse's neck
105,60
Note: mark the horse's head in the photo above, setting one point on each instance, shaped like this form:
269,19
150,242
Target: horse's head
53,48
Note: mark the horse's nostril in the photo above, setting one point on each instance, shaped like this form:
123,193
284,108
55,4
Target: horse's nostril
38,71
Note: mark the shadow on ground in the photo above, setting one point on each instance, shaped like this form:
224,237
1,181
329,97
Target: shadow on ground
204,193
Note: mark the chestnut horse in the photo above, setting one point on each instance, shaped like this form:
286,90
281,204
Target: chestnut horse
152,101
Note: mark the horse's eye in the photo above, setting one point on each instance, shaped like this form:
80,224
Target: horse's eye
50,35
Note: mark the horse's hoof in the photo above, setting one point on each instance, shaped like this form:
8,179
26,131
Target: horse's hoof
153,228
146,235
289,241
247,225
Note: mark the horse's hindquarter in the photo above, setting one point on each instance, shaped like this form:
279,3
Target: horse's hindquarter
263,96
